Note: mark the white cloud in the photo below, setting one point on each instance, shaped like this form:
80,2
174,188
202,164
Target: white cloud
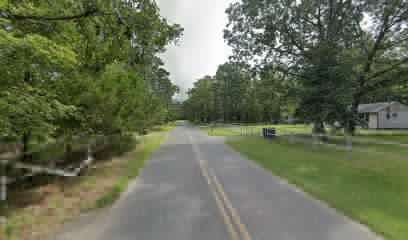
202,47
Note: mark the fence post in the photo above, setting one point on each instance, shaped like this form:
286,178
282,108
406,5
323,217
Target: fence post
3,181
89,151
3,190
349,145
315,140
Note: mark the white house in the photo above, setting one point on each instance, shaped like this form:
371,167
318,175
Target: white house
385,115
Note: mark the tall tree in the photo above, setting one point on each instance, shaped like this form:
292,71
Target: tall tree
339,50
70,67
233,80
237,94
382,59
200,106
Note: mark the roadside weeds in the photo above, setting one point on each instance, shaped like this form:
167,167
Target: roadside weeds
41,211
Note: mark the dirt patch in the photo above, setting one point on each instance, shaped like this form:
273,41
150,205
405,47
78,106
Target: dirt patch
36,213
43,205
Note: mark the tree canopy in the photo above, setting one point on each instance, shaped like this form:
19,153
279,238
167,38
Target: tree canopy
339,51
71,67
238,93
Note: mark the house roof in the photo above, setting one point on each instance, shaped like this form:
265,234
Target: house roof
374,107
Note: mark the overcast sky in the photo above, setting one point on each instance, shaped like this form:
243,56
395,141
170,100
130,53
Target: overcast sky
202,47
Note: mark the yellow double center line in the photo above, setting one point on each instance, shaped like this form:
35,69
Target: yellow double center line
236,229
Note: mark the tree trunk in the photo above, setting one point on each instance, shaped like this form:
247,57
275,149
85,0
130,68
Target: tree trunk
352,121
68,152
25,142
318,127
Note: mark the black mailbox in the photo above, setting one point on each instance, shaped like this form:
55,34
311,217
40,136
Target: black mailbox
269,133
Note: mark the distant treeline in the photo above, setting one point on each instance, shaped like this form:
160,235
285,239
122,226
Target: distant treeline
312,60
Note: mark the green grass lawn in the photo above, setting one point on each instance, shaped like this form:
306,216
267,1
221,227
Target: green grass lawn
222,131
295,129
254,129
370,187
400,136
362,145
397,136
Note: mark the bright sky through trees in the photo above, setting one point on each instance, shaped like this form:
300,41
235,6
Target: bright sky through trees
202,47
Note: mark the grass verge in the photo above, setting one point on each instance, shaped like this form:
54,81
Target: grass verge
387,136
148,145
370,188
36,213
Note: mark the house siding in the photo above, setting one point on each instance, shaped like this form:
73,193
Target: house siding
394,122
373,121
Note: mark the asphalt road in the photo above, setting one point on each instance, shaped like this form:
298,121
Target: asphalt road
197,188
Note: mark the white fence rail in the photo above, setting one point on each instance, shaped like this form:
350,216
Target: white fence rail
341,142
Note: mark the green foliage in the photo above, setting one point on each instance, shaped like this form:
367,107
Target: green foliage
82,67
200,105
29,110
234,95
328,48
118,96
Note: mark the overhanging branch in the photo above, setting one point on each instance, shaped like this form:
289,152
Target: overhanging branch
13,16
385,82
389,69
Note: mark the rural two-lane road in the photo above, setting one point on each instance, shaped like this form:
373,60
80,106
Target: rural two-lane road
197,188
